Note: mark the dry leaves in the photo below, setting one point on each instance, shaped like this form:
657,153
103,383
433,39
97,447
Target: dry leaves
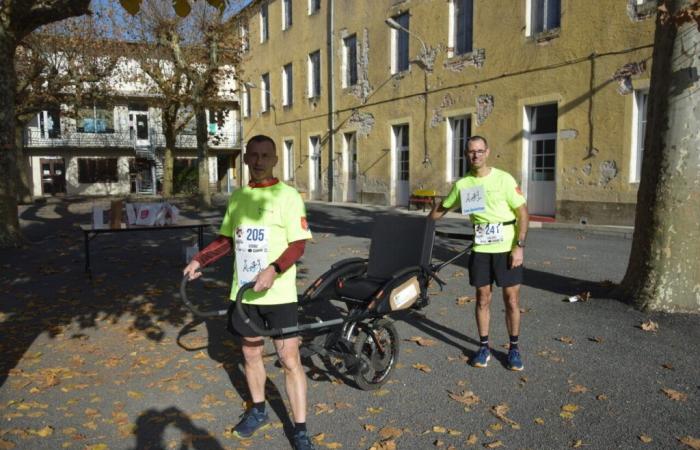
390,433
565,339
461,301
645,438
691,442
423,342
467,397
494,444
578,389
500,412
568,410
577,443
422,367
649,326
675,395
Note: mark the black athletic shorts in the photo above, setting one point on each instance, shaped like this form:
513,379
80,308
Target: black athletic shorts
265,316
485,268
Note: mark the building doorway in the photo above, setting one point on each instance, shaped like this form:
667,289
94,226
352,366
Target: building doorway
53,176
541,157
401,164
350,159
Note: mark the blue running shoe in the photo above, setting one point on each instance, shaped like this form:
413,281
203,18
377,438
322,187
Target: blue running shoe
251,421
514,361
482,357
302,441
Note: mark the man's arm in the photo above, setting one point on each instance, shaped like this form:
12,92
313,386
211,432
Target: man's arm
216,250
439,211
523,218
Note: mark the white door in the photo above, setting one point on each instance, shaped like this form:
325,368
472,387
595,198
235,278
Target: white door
351,166
138,126
401,158
315,167
542,158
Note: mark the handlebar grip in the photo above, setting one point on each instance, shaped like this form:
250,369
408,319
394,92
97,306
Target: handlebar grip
246,319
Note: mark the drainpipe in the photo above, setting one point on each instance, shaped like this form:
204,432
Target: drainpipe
331,95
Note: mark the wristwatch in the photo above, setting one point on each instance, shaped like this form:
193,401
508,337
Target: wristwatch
520,243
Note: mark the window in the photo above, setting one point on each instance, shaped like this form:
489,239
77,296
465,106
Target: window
264,23
95,120
543,137
350,61
97,170
287,85
315,163
314,6
216,121
265,92
545,15
246,102
288,159
351,145
243,34
315,74
458,132
461,26
50,124
399,44
401,136
286,14
639,126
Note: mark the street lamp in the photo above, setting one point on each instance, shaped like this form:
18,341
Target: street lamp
426,68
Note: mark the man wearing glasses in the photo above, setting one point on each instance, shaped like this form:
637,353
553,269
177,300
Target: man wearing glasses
498,211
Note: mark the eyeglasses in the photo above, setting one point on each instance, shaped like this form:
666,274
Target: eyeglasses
480,151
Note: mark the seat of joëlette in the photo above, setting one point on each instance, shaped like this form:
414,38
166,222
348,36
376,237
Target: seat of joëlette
398,242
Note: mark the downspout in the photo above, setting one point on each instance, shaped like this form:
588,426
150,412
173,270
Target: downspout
331,95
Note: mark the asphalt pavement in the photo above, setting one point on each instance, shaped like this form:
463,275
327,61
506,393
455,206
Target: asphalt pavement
117,362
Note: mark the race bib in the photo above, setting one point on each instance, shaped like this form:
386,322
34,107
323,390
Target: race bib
488,233
473,200
251,252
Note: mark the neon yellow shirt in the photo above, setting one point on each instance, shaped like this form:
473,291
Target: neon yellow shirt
265,219
503,196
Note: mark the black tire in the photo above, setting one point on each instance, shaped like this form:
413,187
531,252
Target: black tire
377,363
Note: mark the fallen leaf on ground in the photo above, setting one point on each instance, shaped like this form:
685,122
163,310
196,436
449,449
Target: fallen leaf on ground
374,410
539,421
690,441
472,439
675,395
596,339
466,397
369,427
461,301
384,445
439,429
494,444
500,412
577,443
649,326
565,339
667,366
389,433
423,342
601,397
578,389
645,438
422,367
323,408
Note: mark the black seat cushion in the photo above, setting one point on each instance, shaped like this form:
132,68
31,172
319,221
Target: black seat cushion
359,288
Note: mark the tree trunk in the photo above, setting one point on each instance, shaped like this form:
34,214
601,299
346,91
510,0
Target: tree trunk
168,161
10,234
203,157
664,266
23,188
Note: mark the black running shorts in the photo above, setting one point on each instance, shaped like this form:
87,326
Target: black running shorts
487,268
266,316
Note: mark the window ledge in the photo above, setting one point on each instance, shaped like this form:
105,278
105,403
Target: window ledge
475,58
546,36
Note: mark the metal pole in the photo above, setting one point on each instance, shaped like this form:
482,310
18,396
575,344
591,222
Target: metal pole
331,95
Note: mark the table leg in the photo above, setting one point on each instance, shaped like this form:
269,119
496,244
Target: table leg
86,234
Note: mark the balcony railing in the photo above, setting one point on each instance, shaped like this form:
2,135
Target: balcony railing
37,139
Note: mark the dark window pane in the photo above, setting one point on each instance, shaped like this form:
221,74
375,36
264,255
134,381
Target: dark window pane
463,23
545,119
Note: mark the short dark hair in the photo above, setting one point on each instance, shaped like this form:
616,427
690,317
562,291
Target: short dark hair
477,138
258,138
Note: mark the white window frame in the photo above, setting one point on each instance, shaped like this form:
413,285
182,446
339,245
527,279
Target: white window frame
451,151
265,92
264,23
246,102
315,168
287,85
640,103
346,69
452,30
314,11
288,145
312,75
243,34
287,10
394,39
530,13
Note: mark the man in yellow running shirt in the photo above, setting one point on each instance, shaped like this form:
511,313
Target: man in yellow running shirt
498,211
265,225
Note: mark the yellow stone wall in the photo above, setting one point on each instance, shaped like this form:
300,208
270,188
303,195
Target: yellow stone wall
574,67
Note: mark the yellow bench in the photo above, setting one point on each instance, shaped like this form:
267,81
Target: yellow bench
423,197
